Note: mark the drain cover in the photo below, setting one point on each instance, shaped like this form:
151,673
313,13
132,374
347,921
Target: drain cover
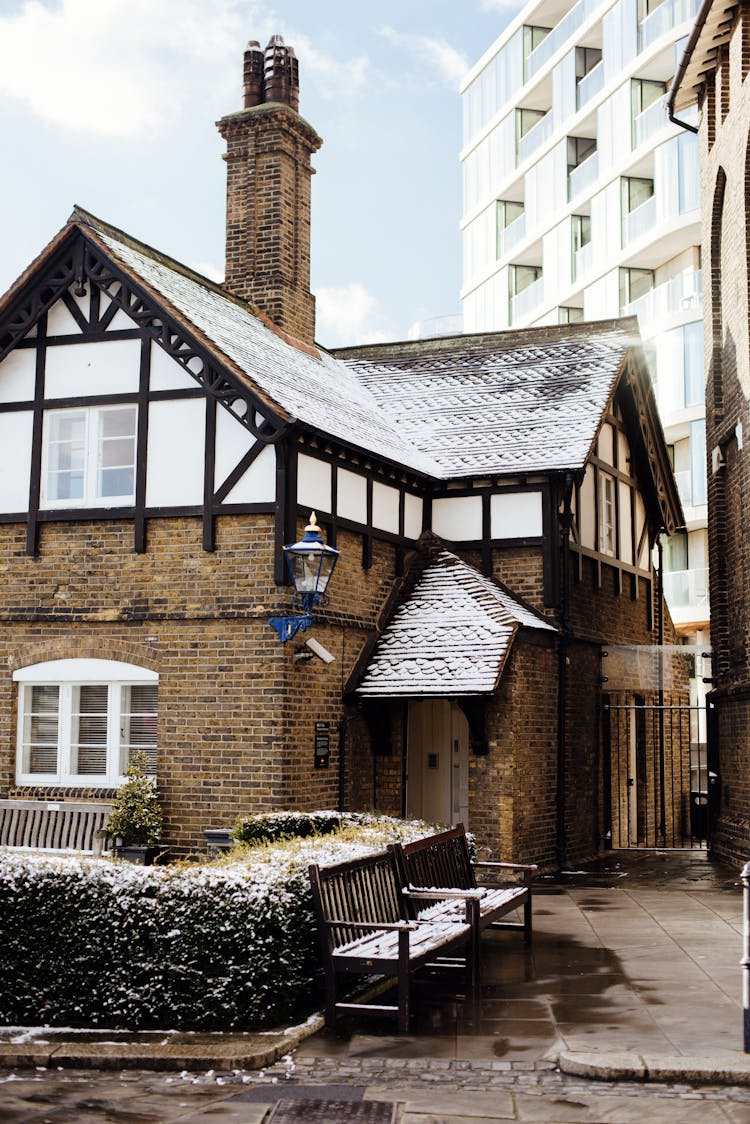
332,1112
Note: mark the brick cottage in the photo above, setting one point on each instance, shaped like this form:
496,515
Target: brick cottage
495,500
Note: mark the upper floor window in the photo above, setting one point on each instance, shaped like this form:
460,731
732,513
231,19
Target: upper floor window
79,720
89,456
607,540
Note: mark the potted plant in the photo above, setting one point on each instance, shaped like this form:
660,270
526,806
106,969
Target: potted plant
135,821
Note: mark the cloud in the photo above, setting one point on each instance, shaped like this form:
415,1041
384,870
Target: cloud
119,68
348,315
449,64
332,76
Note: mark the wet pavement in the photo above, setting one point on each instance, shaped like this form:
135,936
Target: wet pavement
638,957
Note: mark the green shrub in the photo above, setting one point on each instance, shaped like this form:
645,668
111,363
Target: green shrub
136,815
230,945
267,827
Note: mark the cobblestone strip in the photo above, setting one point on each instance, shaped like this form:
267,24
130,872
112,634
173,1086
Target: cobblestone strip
477,1076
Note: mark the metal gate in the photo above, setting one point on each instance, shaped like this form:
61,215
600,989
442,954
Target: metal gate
659,784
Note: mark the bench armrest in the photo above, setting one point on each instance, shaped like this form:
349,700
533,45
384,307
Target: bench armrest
442,895
374,926
531,868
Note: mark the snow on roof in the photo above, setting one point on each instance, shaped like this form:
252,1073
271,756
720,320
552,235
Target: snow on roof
529,401
318,390
450,637
473,405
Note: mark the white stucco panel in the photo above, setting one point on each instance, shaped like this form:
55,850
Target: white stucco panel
17,375
15,460
457,518
258,485
313,483
351,496
626,522
60,322
413,516
232,442
108,367
167,374
587,514
176,443
385,507
516,515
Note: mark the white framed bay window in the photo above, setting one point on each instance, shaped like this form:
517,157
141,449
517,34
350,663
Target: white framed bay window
79,721
88,456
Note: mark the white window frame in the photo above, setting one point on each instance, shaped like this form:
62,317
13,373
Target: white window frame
607,515
92,457
67,675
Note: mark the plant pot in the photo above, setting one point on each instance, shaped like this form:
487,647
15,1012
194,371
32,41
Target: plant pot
139,853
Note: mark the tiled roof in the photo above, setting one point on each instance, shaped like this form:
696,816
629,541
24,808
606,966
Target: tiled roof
318,390
507,402
465,406
451,636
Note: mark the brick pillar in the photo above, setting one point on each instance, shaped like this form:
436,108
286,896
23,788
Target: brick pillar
269,152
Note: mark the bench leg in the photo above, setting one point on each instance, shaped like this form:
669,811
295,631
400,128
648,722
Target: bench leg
474,964
331,992
404,984
527,920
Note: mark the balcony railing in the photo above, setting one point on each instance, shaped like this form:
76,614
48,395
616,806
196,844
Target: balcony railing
527,300
583,175
558,35
582,260
663,19
535,137
686,589
590,85
683,293
512,234
649,122
639,221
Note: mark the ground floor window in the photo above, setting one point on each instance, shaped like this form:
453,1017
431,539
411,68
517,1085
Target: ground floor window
79,720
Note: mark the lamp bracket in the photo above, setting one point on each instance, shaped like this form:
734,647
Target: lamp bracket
288,627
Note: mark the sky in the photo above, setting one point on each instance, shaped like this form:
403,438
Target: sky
112,104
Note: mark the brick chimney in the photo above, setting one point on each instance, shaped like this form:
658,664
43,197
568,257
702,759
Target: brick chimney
269,152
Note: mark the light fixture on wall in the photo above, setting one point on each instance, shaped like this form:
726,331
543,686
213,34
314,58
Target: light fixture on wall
311,564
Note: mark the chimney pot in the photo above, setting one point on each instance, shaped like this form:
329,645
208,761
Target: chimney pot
253,75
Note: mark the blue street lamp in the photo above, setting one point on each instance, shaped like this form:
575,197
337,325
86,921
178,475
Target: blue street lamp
311,564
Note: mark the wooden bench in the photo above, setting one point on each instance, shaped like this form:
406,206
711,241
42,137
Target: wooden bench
360,907
53,825
443,863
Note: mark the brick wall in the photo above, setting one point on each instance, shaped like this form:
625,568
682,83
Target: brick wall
236,711
726,266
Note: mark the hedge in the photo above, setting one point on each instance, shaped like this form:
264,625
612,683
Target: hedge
229,945
267,827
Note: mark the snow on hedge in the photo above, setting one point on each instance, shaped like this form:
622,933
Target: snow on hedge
227,945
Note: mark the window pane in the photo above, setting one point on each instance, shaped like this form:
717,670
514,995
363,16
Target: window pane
116,453
66,455
89,731
138,723
118,423
40,729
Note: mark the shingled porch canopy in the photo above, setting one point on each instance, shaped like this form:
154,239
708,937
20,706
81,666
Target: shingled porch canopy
451,637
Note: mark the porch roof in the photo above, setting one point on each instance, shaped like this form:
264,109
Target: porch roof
450,637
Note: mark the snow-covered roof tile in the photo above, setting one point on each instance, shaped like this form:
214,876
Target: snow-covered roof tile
451,636
498,403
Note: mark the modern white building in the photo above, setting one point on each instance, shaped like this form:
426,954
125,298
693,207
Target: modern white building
581,201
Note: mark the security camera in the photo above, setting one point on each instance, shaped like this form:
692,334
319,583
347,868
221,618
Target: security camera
321,652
